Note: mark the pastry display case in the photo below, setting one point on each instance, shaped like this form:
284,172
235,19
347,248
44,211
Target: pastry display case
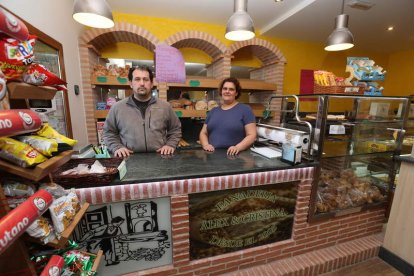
355,139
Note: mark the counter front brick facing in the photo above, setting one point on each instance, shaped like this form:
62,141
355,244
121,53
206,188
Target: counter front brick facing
314,247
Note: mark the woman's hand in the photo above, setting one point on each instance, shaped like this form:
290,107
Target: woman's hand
233,150
208,147
123,152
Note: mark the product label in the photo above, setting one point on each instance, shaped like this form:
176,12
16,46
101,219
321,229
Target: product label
19,219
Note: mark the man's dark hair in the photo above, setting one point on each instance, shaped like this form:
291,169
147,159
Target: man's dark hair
117,219
141,68
236,84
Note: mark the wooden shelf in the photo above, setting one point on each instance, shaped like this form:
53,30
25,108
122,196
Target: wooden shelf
257,85
101,114
183,113
65,235
197,82
191,83
20,90
109,80
97,260
41,170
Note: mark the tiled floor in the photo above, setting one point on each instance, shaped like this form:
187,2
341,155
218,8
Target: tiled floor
371,267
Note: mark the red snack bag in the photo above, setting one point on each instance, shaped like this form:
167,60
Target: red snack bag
12,26
15,56
37,74
18,121
54,266
19,219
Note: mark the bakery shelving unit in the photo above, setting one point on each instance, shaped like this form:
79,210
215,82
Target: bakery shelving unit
355,142
192,83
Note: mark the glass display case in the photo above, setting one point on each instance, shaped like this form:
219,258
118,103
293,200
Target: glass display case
355,139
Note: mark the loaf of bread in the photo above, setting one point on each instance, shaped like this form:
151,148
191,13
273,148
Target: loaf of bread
201,105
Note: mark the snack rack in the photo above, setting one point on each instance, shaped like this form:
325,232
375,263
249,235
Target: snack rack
15,259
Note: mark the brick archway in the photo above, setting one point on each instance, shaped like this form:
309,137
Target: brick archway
121,32
91,42
199,40
272,70
264,50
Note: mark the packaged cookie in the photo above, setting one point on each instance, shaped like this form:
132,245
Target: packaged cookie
63,211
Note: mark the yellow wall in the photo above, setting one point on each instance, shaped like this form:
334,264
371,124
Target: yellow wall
400,74
299,54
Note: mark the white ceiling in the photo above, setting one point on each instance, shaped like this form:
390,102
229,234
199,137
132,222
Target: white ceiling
307,20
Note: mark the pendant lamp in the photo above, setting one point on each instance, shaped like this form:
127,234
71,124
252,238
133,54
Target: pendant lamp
341,38
240,24
93,13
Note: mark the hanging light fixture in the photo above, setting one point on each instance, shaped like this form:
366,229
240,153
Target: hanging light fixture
93,13
240,24
341,38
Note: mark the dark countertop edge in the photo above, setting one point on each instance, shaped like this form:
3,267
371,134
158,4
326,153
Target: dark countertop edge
405,158
213,174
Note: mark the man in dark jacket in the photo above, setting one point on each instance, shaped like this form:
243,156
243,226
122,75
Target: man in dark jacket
141,123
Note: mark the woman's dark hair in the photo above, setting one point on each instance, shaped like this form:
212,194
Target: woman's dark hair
236,84
140,68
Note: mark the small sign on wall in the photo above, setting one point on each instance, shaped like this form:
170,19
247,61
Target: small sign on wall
231,220
169,64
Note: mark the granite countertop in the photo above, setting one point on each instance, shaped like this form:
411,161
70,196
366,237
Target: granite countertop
405,158
193,163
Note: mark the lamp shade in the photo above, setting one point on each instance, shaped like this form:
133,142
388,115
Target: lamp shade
240,25
341,38
93,13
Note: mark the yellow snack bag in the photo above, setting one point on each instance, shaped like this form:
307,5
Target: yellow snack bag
48,132
43,145
19,153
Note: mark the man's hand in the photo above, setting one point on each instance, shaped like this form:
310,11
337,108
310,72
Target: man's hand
233,150
208,147
166,150
123,152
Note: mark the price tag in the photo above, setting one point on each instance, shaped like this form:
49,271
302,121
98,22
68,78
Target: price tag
353,89
122,80
122,170
336,129
102,79
194,83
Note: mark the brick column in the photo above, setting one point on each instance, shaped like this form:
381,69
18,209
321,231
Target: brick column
220,67
162,90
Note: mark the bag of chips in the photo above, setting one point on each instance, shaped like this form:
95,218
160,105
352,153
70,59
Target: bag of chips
45,146
17,192
15,56
18,121
48,132
54,189
63,211
12,26
37,74
41,229
19,153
